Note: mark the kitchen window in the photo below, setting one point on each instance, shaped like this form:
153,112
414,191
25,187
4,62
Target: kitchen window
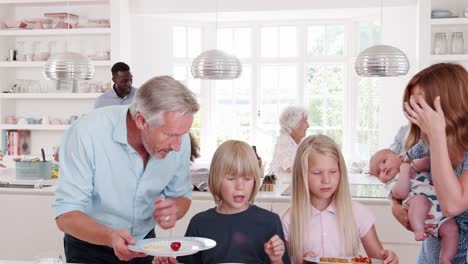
308,63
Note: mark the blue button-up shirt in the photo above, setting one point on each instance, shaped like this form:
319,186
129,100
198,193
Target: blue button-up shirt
111,98
102,176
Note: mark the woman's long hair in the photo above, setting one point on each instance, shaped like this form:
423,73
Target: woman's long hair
301,203
450,82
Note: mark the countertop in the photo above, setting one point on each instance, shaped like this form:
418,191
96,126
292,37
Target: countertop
362,187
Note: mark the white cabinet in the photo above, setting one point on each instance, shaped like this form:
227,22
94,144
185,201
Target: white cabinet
37,97
428,27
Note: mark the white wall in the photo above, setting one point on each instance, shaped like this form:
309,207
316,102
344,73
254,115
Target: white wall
151,48
399,30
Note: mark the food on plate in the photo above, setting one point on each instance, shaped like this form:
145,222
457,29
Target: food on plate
336,260
359,260
355,260
153,247
175,245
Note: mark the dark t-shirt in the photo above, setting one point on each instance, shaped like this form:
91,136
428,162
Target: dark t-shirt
239,237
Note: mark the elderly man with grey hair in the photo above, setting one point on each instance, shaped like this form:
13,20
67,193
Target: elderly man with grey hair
293,127
124,169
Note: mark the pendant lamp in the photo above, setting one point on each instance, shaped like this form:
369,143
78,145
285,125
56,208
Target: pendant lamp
216,64
381,60
68,65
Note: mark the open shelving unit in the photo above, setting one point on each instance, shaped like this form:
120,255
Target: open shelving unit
52,102
36,64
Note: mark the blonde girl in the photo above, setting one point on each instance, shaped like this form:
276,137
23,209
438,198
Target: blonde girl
244,232
322,219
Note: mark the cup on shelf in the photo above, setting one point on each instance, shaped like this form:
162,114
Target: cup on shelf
45,120
10,119
56,121
22,121
73,118
440,43
457,45
84,87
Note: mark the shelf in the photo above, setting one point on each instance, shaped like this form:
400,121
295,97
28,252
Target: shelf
449,57
55,32
33,127
32,64
449,21
48,1
49,95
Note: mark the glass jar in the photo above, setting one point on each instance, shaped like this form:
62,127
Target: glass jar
457,45
440,43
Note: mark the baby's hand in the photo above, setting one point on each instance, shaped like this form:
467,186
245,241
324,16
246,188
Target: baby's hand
274,248
407,169
389,256
164,260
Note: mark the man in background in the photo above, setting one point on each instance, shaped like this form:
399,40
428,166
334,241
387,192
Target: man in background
122,91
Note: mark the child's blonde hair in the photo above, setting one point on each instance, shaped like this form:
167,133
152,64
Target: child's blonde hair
300,207
235,158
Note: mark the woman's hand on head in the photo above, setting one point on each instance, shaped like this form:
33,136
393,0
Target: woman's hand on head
389,256
429,120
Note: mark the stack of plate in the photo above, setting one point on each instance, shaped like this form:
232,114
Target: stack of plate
441,13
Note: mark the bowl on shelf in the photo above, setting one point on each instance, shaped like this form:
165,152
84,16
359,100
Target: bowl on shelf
40,23
61,19
13,25
441,13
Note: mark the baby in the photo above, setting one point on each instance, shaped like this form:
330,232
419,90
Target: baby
415,189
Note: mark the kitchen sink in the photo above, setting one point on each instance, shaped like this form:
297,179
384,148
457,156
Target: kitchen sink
23,186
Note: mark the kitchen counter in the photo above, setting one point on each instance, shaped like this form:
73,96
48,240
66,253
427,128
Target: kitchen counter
39,187
362,193
363,188
27,219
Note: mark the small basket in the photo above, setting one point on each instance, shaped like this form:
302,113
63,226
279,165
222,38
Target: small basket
27,170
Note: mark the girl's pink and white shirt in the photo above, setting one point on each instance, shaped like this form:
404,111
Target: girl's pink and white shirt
323,235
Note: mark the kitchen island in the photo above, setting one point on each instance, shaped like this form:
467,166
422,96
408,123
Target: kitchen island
28,228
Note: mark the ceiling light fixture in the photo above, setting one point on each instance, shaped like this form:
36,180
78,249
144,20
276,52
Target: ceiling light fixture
381,60
216,64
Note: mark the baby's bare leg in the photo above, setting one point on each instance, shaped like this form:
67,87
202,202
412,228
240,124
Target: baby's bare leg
419,207
448,234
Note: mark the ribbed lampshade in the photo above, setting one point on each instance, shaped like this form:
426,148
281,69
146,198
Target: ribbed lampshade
381,60
216,65
68,66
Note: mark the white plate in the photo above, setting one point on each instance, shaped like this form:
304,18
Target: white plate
442,16
317,260
161,247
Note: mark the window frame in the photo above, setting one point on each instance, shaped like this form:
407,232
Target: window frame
302,60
